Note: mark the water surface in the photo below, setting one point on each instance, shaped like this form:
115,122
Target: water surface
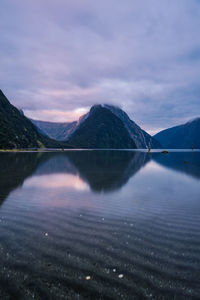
100,225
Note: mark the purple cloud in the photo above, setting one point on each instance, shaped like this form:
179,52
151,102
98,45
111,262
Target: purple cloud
60,56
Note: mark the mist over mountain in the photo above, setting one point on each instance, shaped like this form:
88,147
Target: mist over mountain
185,136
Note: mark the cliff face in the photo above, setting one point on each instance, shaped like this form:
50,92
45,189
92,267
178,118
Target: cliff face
140,137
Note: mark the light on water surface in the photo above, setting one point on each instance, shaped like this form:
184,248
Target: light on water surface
100,224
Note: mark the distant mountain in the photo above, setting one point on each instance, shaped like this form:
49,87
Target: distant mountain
55,130
102,132
183,136
17,131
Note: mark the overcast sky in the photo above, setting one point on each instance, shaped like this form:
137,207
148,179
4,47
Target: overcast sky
59,57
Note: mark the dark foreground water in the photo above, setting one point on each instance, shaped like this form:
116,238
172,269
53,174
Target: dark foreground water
100,225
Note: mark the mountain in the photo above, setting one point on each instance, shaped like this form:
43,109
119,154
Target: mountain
101,129
104,126
55,130
17,131
141,138
184,136
60,131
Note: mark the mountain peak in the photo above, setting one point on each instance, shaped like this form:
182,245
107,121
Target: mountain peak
95,107
1,93
197,119
3,98
105,105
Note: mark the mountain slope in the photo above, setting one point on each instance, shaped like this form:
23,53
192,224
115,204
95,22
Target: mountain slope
17,131
60,131
101,129
141,138
55,130
183,136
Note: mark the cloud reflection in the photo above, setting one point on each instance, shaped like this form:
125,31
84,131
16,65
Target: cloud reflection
56,181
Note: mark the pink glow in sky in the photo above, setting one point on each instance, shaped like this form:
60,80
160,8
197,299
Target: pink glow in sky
144,56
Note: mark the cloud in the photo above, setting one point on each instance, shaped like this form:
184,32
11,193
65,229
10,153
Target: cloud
54,115
58,56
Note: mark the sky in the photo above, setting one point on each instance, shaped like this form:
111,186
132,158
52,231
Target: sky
59,57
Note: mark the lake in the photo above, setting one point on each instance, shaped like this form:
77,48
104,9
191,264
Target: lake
100,225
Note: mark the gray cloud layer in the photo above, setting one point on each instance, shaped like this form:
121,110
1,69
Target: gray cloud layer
143,55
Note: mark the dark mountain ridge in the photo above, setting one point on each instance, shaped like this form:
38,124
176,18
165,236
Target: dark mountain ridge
17,131
185,136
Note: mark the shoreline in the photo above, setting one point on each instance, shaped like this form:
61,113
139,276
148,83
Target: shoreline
89,149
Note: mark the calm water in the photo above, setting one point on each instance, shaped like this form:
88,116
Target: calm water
100,225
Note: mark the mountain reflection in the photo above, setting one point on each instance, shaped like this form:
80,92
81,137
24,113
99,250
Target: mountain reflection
103,171
185,162
106,171
15,168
